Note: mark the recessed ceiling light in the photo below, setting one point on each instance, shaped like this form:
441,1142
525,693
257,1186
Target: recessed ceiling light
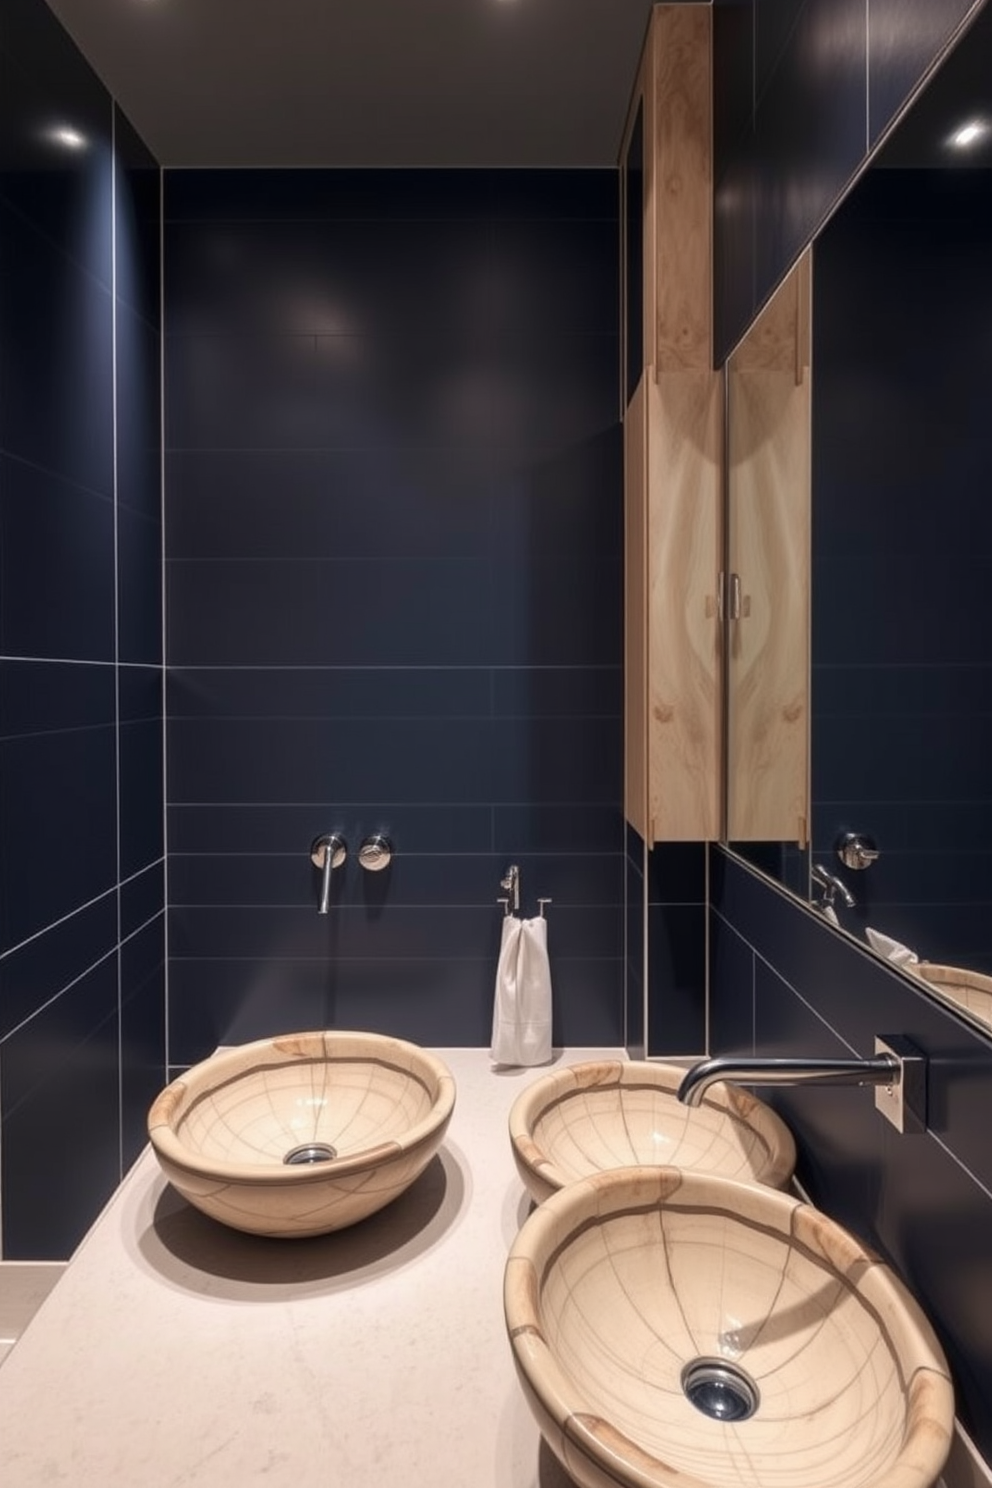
66,136
969,134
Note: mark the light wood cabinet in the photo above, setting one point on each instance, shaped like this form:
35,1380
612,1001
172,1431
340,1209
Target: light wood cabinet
673,424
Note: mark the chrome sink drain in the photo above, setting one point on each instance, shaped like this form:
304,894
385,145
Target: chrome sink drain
720,1390
310,1152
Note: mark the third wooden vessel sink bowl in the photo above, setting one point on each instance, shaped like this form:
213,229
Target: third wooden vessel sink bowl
672,1329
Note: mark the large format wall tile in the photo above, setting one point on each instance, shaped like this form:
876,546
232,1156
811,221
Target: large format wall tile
676,967
56,363
140,769
142,1029
59,1074
393,593
58,793
81,776
42,967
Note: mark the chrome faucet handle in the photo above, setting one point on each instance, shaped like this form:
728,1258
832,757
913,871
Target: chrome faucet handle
327,852
375,853
856,850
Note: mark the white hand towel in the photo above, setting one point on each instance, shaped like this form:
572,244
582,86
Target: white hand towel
522,1006
892,950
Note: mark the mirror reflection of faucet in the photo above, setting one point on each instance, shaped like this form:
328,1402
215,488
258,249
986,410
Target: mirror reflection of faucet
856,850
832,886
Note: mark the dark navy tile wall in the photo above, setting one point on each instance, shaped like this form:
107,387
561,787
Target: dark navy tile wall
140,696
635,960
666,949
393,498
902,685
81,832
676,978
804,89
783,983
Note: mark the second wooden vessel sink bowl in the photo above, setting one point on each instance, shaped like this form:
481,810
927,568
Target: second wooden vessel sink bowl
610,1114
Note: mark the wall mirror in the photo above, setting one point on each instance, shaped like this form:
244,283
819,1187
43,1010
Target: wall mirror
765,590
890,832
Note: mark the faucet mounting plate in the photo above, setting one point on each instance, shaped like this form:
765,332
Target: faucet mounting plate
904,1102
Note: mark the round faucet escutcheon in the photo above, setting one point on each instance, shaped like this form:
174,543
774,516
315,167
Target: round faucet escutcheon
330,842
375,853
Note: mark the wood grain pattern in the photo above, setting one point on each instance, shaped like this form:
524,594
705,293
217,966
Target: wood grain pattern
685,417
683,187
769,548
635,611
778,341
673,437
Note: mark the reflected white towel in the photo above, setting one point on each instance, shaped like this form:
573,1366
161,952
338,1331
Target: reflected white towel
522,1006
892,950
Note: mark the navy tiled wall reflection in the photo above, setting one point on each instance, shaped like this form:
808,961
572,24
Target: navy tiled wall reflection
81,836
804,88
676,912
666,949
902,684
635,981
393,498
784,984
781,981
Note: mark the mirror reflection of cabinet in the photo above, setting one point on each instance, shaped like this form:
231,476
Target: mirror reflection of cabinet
766,591
672,439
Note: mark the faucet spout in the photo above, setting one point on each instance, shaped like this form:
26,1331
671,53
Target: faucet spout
882,1069
832,886
327,853
898,1070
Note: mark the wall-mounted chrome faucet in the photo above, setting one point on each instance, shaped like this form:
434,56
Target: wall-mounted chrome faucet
327,853
898,1070
831,886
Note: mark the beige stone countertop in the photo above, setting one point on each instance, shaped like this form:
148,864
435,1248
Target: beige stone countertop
175,1352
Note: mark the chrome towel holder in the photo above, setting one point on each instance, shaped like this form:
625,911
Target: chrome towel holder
511,883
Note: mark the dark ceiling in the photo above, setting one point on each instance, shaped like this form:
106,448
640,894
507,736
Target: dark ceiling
524,83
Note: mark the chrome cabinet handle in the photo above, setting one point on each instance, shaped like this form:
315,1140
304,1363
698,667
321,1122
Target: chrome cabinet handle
729,601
